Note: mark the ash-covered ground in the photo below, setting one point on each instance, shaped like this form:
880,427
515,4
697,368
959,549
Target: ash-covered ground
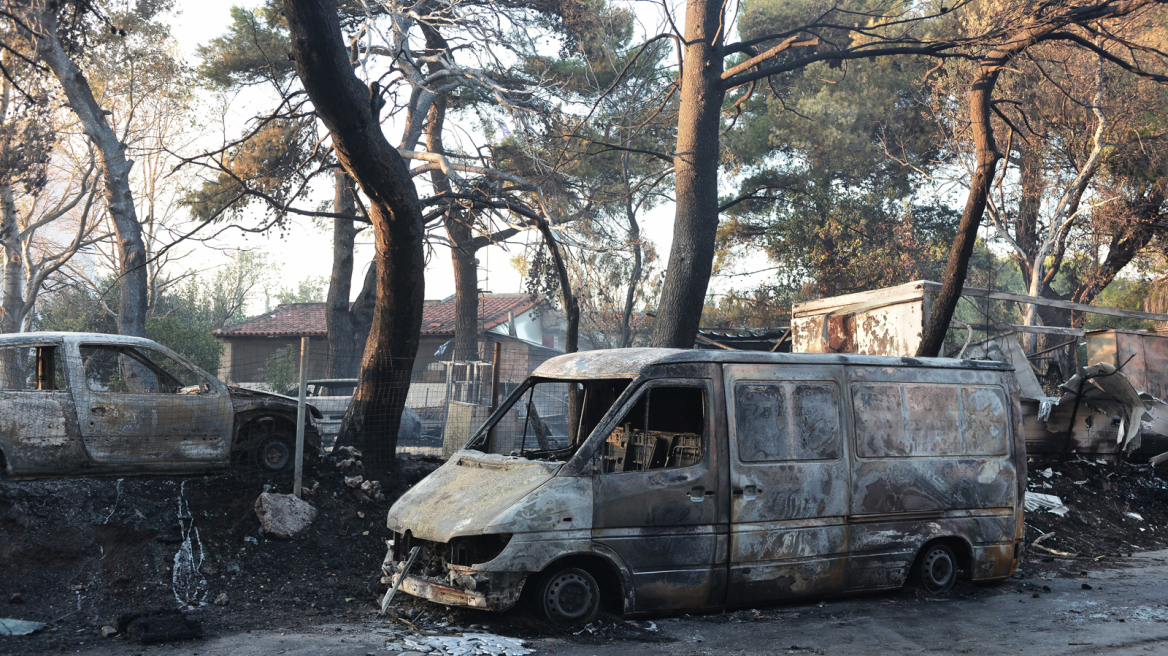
78,552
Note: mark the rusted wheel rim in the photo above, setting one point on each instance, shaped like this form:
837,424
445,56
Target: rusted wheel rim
274,454
570,596
938,570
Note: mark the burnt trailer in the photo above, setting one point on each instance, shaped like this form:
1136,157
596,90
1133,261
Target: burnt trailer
658,480
90,403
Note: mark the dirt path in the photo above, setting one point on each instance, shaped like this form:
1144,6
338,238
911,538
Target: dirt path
1124,611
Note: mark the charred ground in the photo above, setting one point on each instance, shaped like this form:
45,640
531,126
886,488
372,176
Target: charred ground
78,552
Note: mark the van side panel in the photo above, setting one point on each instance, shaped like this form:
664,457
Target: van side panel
789,481
933,458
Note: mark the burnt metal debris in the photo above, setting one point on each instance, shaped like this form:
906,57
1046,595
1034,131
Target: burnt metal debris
674,479
73,403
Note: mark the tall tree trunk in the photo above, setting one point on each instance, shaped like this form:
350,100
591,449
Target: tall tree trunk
11,367
981,92
462,251
466,288
350,111
695,223
115,169
626,326
344,349
1032,189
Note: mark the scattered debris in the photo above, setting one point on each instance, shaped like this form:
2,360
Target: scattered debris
11,627
466,644
352,451
16,598
157,626
1049,502
372,491
405,570
1136,516
354,481
283,515
221,600
1101,494
108,631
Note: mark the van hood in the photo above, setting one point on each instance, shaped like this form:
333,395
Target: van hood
466,495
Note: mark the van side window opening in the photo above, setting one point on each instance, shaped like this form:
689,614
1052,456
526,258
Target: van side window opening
664,429
929,420
787,421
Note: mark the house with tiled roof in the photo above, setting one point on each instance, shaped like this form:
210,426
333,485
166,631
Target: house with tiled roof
529,328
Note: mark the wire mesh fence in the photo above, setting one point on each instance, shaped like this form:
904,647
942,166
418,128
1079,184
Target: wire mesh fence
112,404
141,443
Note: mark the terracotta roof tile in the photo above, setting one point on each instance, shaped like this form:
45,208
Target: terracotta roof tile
307,319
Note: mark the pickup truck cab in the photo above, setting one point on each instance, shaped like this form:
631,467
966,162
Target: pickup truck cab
74,403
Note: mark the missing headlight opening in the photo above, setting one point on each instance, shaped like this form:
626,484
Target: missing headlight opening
445,563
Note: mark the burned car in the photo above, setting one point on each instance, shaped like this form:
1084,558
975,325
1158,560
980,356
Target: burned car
662,480
74,403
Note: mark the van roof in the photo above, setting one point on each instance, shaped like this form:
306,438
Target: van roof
628,363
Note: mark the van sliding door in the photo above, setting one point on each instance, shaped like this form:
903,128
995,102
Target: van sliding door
789,481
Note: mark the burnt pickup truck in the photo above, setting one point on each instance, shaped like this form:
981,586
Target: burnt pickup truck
87,403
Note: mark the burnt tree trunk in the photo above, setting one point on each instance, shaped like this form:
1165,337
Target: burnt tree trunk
115,170
695,222
350,110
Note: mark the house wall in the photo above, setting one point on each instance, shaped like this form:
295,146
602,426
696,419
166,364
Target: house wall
245,359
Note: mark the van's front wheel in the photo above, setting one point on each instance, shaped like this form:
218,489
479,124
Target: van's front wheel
936,571
570,596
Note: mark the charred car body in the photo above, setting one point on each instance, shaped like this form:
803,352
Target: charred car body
661,480
75,403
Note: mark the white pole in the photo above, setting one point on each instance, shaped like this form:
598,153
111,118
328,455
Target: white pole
300,416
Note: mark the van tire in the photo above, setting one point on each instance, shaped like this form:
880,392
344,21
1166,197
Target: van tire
570,596
273,453
935,570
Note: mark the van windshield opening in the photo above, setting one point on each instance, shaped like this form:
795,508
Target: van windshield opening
550,419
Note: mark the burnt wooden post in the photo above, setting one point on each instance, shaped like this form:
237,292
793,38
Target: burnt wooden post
300,417
495,388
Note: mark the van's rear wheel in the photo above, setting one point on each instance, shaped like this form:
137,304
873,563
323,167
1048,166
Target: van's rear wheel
936,570
570,596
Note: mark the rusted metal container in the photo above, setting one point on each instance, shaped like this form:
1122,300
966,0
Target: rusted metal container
1141,356
888,321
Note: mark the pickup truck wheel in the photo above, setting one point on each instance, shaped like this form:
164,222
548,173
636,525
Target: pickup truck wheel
273,453
936,571
570,596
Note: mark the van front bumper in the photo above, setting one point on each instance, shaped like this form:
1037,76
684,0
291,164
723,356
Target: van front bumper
500,592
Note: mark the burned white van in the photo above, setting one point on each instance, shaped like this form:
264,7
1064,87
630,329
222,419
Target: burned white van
656,480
